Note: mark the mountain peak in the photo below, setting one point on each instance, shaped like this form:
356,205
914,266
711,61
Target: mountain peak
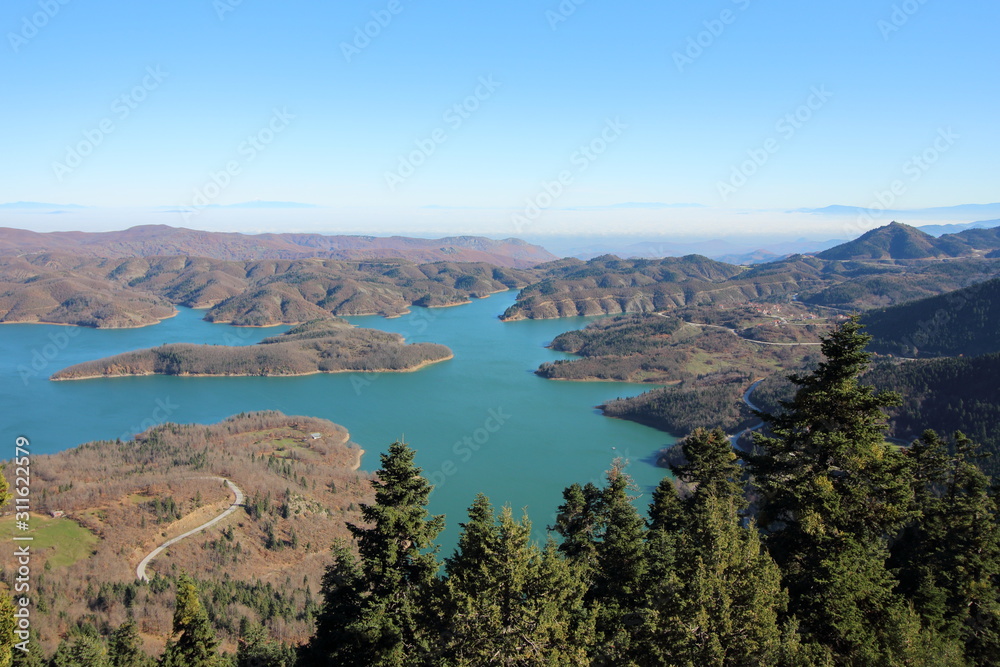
893,241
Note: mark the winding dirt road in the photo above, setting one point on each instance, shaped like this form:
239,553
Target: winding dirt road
140,570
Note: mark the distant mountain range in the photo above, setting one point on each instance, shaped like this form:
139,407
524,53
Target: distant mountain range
898,241
163,240
37,205
938,230
937,212
731,251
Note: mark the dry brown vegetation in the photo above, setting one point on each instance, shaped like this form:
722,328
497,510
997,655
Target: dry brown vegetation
115,293
611,285
321,346
160,240
263,562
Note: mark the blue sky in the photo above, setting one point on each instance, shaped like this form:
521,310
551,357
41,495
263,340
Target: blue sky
199,102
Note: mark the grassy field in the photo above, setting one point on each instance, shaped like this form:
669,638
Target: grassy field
62,541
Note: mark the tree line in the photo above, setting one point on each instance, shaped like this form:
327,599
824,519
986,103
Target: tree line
825,547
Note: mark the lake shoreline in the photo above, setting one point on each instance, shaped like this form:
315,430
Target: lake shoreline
412,369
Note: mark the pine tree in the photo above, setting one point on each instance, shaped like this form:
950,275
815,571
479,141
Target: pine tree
507,602
335,640
87,651
63,656
666,512
384,598
621,568
125,647
195,644
711,464
7,622
655,632
33,657
578,522
30,659
257,649
948,559
714,594
831,493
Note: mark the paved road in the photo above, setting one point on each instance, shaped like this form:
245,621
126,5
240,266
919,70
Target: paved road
749,340
746,399
140,570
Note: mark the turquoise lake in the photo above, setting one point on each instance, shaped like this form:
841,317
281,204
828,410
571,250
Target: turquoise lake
551,435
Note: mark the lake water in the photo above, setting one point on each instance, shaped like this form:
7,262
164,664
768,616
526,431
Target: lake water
479,422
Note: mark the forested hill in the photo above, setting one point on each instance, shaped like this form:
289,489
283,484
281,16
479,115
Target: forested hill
119,499
963,322
828,547
322,346
954,394
611,285
163,240
117,293
898,241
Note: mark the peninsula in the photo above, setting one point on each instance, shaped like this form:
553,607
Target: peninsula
319,346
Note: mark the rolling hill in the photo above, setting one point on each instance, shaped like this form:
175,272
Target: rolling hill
113,293
611,285
321,346
122,498
963,322
897,241
163,240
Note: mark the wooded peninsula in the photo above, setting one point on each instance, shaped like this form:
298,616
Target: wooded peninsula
320,346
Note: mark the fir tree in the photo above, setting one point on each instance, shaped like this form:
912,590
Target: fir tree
87,651
8,625
195,643
257,649
949,557
578,522
125,647
715,595
831,493
7,622
621,567
33,657
384,608
507,602
711,464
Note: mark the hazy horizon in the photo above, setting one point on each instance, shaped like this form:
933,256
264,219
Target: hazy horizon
548,118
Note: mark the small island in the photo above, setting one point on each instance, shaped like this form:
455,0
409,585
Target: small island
319,346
